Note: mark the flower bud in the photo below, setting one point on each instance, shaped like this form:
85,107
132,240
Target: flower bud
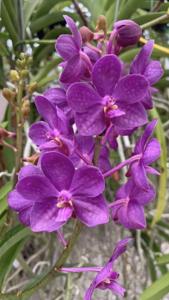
24,73
87,34
127,32
14,75
6,134
8,94
101,24
32,87
25,108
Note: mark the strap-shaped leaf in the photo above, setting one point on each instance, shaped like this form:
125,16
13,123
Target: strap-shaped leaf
12,237
161,204
158,289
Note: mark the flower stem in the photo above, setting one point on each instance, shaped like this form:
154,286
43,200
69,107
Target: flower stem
156,21
19,124
122,164
80,269
43,281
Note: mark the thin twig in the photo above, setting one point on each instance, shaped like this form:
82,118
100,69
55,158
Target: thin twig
80,13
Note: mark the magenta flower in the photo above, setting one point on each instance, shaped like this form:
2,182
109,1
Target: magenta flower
151,69
128,208
127,32
47,198
83,153
57,96
112,100
107,278
77,64
54,132
149,148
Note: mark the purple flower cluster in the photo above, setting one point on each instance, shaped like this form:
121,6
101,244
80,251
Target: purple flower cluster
97,101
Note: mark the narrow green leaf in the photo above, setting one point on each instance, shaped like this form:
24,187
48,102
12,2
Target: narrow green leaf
157,290
45,7
5,189
128,9
29,9
164,259
7,260
44,71
45,21
148,17
161,202
7,21
3,50
12,237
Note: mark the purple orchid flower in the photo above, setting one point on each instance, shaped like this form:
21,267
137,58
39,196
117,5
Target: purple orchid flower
57,96
47,198
125,33
83,153
107,278
77,64
128,208
149,149
54,132
151,69
112,100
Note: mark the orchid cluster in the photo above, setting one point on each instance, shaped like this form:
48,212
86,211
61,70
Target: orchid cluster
98,100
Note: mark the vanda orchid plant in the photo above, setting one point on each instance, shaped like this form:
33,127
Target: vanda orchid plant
98,100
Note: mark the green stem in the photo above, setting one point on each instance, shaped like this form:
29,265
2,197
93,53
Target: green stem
156,21
24,294
19,124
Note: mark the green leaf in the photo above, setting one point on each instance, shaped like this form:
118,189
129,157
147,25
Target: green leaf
148,17
161,202
7,260
8,21
29,9
45,7
157,290
44,71
4,124
164,259
12,237
3,50
45,21
128,9
5,189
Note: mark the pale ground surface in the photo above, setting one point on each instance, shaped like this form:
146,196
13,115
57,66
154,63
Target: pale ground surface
95,247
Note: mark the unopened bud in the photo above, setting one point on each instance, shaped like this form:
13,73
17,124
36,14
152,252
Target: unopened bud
25,108
127,33
6,134
8,94
24,73
101,24
32,87
14,75
87,34
22,55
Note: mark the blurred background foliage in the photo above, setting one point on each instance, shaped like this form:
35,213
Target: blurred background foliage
32,26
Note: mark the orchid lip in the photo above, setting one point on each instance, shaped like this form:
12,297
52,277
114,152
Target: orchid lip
64,199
